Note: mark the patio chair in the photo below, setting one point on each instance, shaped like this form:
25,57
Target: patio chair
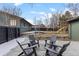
33,40
27,51
52,39
51,52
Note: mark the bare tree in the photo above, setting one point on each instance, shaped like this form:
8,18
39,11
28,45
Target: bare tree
46,21
74,7
40,23
51,22
12,10
54,21
35,23
65,17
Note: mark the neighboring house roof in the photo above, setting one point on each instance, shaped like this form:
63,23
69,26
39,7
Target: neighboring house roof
15,16
26,21
9,14
73,20
39,26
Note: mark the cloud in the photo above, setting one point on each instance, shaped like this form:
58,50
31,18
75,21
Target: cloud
43,17
52,9
17,4
35,12
49,15
41,12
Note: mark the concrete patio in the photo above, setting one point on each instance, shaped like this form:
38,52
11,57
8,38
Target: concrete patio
11,48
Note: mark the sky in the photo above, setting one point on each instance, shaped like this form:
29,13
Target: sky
38,10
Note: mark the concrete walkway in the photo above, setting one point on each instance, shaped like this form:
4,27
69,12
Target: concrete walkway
7,46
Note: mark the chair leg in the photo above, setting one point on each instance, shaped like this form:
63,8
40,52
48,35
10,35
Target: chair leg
45,42
38,43
35,51
28,44
46,53
59,55
20,54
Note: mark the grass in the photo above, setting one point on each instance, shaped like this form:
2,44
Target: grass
47,34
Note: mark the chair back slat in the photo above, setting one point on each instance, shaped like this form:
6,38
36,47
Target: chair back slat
53,39
63,49
32,39
21,47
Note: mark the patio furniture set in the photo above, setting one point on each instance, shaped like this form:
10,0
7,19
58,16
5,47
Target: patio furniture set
51,48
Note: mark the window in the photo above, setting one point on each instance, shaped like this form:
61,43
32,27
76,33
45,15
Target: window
12,22
24,24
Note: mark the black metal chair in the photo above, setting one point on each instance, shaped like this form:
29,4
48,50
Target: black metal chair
52,39
52,52
52,42
27,51
33,40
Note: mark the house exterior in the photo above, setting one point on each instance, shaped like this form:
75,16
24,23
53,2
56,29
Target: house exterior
10,20
74,29
25,25
40,27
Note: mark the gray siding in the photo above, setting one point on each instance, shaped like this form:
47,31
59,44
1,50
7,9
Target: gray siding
3,20
24,26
